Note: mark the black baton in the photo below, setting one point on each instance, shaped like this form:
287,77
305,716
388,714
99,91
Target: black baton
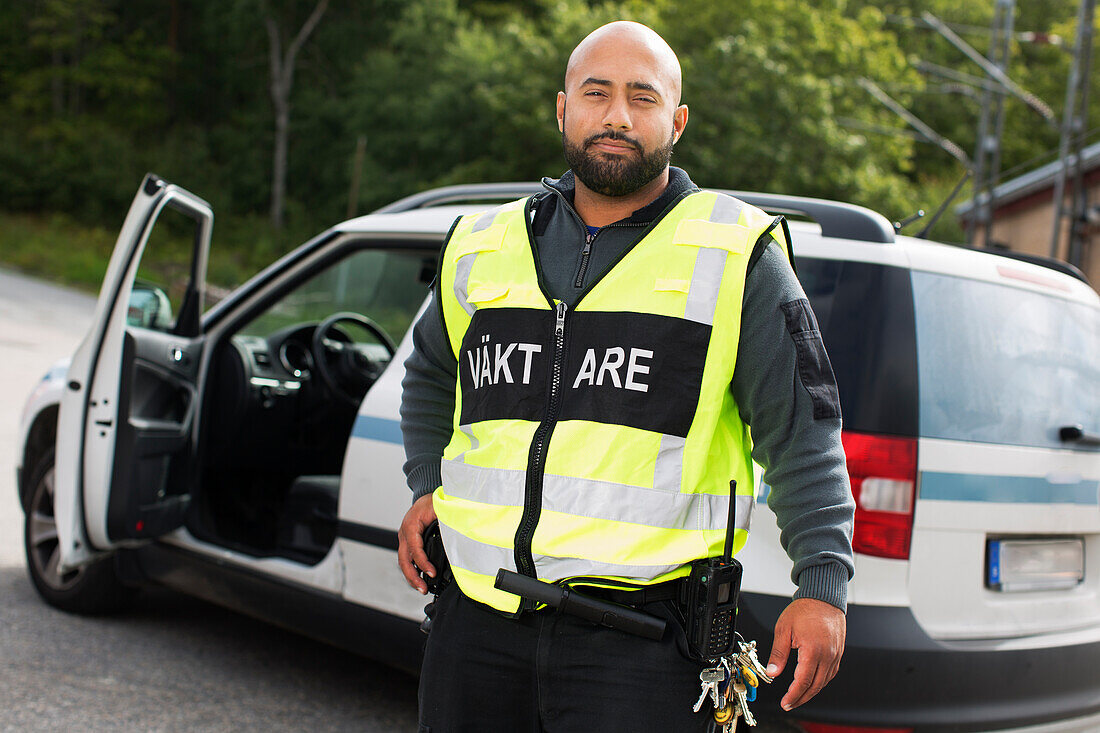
577,604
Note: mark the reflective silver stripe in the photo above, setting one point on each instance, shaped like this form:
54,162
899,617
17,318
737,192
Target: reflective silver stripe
595,499
497,486
463,266
468,431
484,221
478,557
669,468
475,556
555,568
744,507
706,279
633,504
727,210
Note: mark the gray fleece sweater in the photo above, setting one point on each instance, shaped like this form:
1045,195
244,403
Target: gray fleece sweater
783,384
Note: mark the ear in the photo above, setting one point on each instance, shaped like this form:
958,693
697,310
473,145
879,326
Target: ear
679,121
561,111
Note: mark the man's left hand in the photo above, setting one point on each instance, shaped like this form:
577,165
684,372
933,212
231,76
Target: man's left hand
817,630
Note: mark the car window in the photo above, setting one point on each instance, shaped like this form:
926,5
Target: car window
163,272
999,364
387,286
865,312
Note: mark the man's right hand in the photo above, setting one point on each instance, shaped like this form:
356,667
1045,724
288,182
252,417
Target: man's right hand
410,543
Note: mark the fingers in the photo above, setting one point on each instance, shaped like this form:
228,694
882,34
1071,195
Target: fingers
818,663
817,631
805,677
407,553
411,558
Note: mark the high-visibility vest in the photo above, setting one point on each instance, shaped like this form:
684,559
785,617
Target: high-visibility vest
597,442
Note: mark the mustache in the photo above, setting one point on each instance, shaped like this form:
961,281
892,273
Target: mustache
612,135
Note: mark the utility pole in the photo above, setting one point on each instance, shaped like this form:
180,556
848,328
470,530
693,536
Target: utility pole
1074,120
987,150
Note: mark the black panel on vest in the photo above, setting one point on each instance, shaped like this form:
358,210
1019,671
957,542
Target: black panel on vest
503,364
633,369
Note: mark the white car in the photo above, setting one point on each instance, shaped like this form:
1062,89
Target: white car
250,454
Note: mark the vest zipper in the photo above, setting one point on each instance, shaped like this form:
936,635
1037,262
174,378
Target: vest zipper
536,461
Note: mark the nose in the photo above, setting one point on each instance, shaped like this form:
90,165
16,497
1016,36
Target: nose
617,116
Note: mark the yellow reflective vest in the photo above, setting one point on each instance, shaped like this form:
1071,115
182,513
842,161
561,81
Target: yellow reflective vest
596,442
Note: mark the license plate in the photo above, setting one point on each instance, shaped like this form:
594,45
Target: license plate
1034,564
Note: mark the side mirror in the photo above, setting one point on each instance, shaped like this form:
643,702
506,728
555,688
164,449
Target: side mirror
149,307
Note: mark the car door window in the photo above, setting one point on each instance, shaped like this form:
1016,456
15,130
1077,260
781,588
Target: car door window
163,273
387,286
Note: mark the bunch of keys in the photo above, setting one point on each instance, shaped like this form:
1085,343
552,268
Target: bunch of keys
731,685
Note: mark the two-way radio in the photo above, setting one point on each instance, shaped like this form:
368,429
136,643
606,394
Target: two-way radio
710,597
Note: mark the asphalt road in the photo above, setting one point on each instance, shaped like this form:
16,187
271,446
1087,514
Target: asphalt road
170,662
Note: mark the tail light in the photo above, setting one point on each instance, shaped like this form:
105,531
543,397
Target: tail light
883,470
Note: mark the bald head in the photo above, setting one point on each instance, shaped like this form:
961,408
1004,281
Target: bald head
625,39
620,114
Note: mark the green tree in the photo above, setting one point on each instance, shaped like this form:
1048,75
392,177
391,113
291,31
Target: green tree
768,87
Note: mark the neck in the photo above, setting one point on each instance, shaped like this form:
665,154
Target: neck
598,210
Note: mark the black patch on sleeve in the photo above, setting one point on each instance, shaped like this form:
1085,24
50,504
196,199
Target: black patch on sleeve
814,369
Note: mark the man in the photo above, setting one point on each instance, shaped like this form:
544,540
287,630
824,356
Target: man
577,402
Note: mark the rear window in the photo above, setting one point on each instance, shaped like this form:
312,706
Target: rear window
1003,365
865,312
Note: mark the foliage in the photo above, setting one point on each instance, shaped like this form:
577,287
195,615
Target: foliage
767,87
94,93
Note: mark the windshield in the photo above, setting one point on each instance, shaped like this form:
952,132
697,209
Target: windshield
1000,364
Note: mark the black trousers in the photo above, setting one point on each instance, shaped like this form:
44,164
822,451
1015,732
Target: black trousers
547,671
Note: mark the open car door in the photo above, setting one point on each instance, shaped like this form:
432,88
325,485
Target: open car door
125,448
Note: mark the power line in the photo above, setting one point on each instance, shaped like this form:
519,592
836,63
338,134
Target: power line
952,149
989,67
1041,38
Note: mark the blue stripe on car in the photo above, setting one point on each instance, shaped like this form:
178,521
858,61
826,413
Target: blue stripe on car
377,428
1007,489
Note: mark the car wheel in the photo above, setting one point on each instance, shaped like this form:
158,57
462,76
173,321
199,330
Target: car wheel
94,588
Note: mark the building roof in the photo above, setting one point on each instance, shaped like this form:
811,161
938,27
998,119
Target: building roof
1033,181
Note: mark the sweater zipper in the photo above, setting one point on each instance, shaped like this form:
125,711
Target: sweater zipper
589,239
585,254
536,461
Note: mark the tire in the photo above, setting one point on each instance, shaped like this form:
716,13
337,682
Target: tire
91,589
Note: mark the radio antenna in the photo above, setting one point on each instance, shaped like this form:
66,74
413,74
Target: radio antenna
727,553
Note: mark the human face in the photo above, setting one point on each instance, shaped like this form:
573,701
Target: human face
619,118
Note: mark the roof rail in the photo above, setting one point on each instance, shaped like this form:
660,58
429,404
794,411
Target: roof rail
837,219
462,193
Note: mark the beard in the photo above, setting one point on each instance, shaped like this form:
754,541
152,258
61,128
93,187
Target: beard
615,175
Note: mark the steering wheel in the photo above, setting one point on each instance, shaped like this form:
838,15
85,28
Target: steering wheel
345,367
